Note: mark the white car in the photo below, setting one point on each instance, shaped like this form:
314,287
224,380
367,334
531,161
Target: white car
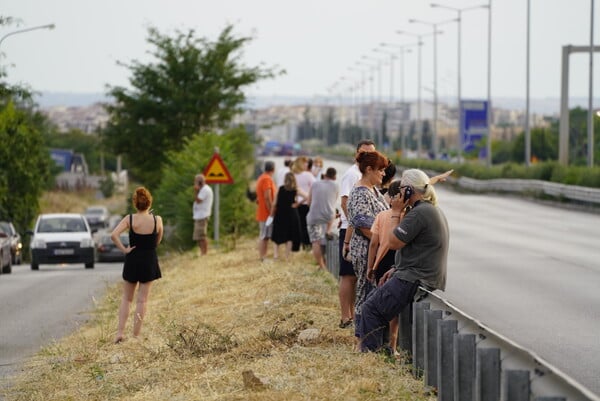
62,238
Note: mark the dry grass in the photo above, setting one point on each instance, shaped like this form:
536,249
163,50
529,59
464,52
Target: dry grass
76,202
220,327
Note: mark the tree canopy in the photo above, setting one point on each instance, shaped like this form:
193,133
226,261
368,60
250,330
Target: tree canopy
195,85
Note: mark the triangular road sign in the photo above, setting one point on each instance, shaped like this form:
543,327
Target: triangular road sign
216,172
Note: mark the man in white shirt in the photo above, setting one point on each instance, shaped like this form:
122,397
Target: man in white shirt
201,211
347,288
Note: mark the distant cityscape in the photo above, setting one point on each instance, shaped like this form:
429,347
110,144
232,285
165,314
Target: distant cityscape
278,118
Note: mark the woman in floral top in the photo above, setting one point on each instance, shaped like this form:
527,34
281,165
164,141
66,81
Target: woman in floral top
364,203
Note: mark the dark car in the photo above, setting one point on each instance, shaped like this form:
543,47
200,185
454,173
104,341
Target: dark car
97,217
5,257
16,245
107,251
62,238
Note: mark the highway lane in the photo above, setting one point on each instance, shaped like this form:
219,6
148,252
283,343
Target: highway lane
529,271
38,307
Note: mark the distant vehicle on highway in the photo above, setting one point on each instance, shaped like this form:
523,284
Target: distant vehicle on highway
16,245
5,256
98,217
62,238
107,251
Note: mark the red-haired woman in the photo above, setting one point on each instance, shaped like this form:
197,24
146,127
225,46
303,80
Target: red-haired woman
141,262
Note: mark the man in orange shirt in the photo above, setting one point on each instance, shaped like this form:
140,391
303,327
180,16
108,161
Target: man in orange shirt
265,199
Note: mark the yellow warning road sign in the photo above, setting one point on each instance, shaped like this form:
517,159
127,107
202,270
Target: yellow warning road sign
216,172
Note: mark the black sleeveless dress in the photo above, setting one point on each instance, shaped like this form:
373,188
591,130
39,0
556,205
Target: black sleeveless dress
141,264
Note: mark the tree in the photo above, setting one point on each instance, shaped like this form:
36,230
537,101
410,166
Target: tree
194,86
174,196
24,159
24,166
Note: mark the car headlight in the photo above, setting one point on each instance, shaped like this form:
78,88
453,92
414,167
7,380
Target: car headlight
86,243
38,243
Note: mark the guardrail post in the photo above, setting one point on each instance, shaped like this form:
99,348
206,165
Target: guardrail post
418,337
431,318
406,329
332,256
446,329
549,399
516,385
464,367
488,374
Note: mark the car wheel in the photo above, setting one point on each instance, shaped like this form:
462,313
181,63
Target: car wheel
8,268
35,266
89,265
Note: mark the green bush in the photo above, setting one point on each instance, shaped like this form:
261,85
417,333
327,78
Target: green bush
175,194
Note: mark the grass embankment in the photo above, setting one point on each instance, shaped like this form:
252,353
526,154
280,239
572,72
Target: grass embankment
220,327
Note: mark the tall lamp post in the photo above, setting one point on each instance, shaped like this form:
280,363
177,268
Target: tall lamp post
371,91
459,12
392,56
379,66
403,49
435,32
419,59
33,28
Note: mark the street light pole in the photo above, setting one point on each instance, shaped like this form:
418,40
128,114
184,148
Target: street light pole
434,26
419,59
379,130
489,86
527,86
459,12
590,116
33,28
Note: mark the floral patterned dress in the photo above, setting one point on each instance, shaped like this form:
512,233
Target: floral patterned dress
363,205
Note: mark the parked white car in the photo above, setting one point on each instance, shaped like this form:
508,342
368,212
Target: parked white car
62,238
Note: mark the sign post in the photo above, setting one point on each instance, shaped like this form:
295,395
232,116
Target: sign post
473,124
216,173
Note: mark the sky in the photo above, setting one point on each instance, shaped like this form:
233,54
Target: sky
320,44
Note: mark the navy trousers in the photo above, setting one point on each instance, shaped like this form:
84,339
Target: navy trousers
381,306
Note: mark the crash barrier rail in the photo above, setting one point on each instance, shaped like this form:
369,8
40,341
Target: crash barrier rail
464,360
560,191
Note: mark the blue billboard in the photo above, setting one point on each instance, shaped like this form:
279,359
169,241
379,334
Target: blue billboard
473,123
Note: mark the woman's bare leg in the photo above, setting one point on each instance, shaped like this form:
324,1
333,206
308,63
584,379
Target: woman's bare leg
128,290
140,307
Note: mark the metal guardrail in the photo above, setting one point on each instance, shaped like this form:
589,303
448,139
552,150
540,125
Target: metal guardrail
560,191
464,360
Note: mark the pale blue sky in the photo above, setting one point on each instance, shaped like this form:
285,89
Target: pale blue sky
316,41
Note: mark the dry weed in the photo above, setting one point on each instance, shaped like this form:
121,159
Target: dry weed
220,327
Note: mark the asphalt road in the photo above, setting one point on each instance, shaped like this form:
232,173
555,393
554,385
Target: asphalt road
37,307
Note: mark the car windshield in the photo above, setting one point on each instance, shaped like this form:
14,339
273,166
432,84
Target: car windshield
61,224
5,227
94,211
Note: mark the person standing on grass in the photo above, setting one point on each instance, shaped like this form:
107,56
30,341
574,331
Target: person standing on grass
347,282
141,266
265,201
321,214
286,220
201,211
364,203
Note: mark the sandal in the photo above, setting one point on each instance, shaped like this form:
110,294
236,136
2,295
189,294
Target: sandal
345,324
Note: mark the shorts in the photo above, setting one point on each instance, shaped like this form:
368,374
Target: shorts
346,268
316,232
264,230
200,227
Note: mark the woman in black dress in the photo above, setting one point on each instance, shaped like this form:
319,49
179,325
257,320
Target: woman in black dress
286,220
141,262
